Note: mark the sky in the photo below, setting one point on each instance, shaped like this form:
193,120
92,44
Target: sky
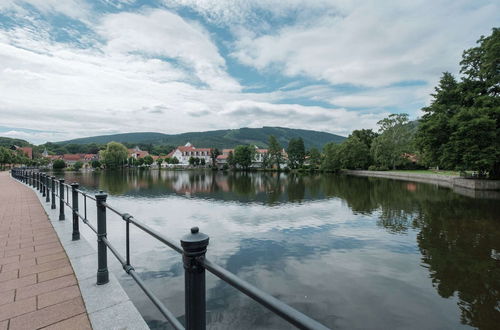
76,68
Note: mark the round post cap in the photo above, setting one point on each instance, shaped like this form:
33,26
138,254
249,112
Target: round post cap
194,241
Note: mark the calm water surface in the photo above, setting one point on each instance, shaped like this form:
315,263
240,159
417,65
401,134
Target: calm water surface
351,252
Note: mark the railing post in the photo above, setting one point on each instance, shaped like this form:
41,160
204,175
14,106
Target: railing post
53,189
47,188
43,184
31,178
61,199
37,181
194,247
102,250
74,204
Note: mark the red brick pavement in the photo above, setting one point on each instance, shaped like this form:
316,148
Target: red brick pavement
38,289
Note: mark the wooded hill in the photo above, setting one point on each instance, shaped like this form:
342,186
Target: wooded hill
218,139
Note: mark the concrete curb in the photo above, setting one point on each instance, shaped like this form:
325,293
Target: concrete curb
108,305
467,187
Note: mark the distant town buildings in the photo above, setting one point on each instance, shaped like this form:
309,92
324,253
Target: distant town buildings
185,152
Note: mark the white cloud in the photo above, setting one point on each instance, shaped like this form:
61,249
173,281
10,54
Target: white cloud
370,44
77,9
162,33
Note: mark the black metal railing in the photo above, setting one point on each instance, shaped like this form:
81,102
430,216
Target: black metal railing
193,248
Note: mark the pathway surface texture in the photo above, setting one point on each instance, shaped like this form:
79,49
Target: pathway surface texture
38,288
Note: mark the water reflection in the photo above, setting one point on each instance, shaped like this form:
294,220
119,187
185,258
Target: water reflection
351,252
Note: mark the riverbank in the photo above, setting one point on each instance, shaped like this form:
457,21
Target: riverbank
469,187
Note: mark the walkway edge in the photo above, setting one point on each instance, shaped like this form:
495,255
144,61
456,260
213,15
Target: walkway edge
108,306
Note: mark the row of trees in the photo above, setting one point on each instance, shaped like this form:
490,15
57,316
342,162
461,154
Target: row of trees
389,148
461,127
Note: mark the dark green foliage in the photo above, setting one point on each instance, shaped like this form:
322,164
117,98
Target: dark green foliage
115,155
213,139
243,156
296,152
314,157
331,159
461,128
9,142
77,166
274,150
354,154
96,164
58,164
395,139
148,160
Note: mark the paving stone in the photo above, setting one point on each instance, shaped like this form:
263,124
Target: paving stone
48,315
55,273
6,275
7,297
18,283
16,308
79,322
47,286
57,296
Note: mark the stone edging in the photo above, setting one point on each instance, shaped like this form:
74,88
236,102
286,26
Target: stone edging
108,306
467,187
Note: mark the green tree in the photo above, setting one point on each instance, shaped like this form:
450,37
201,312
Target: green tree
274,149
58,164
192,161
140,161
230,159
354,154
213,155
365,135
331,161
148,160
174,160
159,161
77,165
96,164
395,139
314,157
115,155
296,152
461,127
435,127
244,155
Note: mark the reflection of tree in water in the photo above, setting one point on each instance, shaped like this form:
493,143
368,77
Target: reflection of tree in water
456,238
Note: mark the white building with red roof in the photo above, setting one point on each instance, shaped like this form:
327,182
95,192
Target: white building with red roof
185,152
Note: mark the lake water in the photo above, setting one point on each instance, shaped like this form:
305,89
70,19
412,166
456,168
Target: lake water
350,252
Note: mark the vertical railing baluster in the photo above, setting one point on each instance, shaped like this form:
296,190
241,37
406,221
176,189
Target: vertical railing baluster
53,190
61,199
74,207
43,184
102,251
85,205
47,188
194,247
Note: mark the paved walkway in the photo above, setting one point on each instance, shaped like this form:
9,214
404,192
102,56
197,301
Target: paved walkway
38,289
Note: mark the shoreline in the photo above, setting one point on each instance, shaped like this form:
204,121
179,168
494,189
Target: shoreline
468,187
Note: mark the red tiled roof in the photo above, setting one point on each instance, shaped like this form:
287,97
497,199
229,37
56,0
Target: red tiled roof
28,151
72,156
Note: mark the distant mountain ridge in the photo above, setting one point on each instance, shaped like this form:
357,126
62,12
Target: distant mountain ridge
227,138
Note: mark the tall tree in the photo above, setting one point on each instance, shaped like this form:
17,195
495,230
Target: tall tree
331,161
274,149
393,142
115,155
435,128
314,157
244,155
296,152
354,154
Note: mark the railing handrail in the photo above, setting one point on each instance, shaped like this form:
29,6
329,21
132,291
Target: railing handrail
275,305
